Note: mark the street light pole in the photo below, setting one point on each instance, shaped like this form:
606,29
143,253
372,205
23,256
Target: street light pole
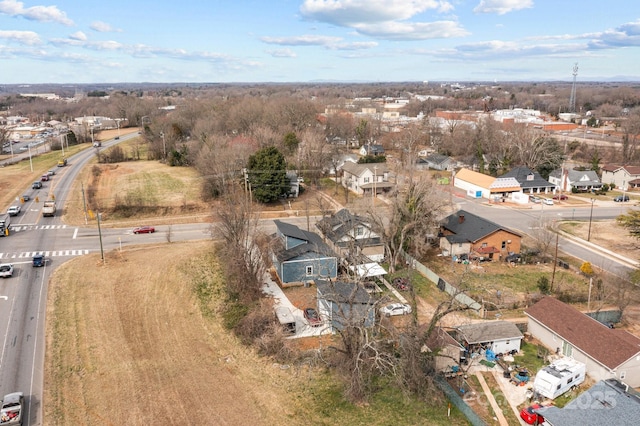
590,219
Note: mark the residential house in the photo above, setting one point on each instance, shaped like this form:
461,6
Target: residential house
465,233
581,180
341,303
371,149
607,353
449,352
366,179
294,182
530,181
440,162
351,236
500,336
476,185
624,177
608,402
300,256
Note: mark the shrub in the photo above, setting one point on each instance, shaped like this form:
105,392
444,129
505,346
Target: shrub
543,285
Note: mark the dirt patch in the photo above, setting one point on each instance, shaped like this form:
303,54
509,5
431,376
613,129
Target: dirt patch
607,234
138,351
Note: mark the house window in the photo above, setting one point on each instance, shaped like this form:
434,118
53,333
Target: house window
504,244
366,180
567,349
359,231
484,244
309,270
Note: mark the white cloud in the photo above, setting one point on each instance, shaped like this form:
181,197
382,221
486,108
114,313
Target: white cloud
34,13
282,53
384,19
350,12
502,7
413,31
103,27
333,43
78,35
23,37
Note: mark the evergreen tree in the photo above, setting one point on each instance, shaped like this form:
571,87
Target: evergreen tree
268,175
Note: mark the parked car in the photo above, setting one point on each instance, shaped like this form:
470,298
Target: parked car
36,185
560,197
312,316
6,270
13,210
144,230
38,260
547,201
530,416
394,309
534,199
621,198
513,257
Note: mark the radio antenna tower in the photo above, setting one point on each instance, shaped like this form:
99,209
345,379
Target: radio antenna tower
572,99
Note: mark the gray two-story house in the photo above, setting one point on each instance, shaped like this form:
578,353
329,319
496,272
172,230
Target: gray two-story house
300,256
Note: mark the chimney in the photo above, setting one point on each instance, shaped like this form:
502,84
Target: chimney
461,218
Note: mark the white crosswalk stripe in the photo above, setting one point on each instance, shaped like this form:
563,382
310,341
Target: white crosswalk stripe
22,228
57,253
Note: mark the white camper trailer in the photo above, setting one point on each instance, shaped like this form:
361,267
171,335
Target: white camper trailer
557,378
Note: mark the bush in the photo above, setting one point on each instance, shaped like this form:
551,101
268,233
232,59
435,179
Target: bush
543,285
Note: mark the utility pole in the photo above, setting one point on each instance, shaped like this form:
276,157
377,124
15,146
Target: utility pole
100,235
84,203
590,219
555,262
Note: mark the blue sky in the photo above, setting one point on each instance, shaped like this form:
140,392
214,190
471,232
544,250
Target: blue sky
111,41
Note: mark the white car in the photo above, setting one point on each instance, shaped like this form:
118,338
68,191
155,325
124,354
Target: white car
395,309
13,210
6,270
547,201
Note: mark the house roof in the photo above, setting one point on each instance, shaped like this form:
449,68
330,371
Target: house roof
508,184
339,224
489,331
528,178
313,243
360,169
439,338
469,227
632,170
343,292
438,158
479,179
605,403
606,346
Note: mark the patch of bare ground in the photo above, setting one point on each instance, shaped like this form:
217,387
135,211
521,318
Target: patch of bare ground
128,344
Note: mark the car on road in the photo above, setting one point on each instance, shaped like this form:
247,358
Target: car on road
51,172
394,309
621,198
44,178
26,197
312,316
11,409
6,270
38,260
530,416
560,197
36,185
534,199
144,230
13,210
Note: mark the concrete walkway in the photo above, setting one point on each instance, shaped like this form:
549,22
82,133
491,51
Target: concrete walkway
492,401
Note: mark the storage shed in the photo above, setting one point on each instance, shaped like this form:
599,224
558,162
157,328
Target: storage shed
499,336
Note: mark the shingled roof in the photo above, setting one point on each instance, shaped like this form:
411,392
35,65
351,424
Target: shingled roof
606,346
312,243
468,227
489,331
